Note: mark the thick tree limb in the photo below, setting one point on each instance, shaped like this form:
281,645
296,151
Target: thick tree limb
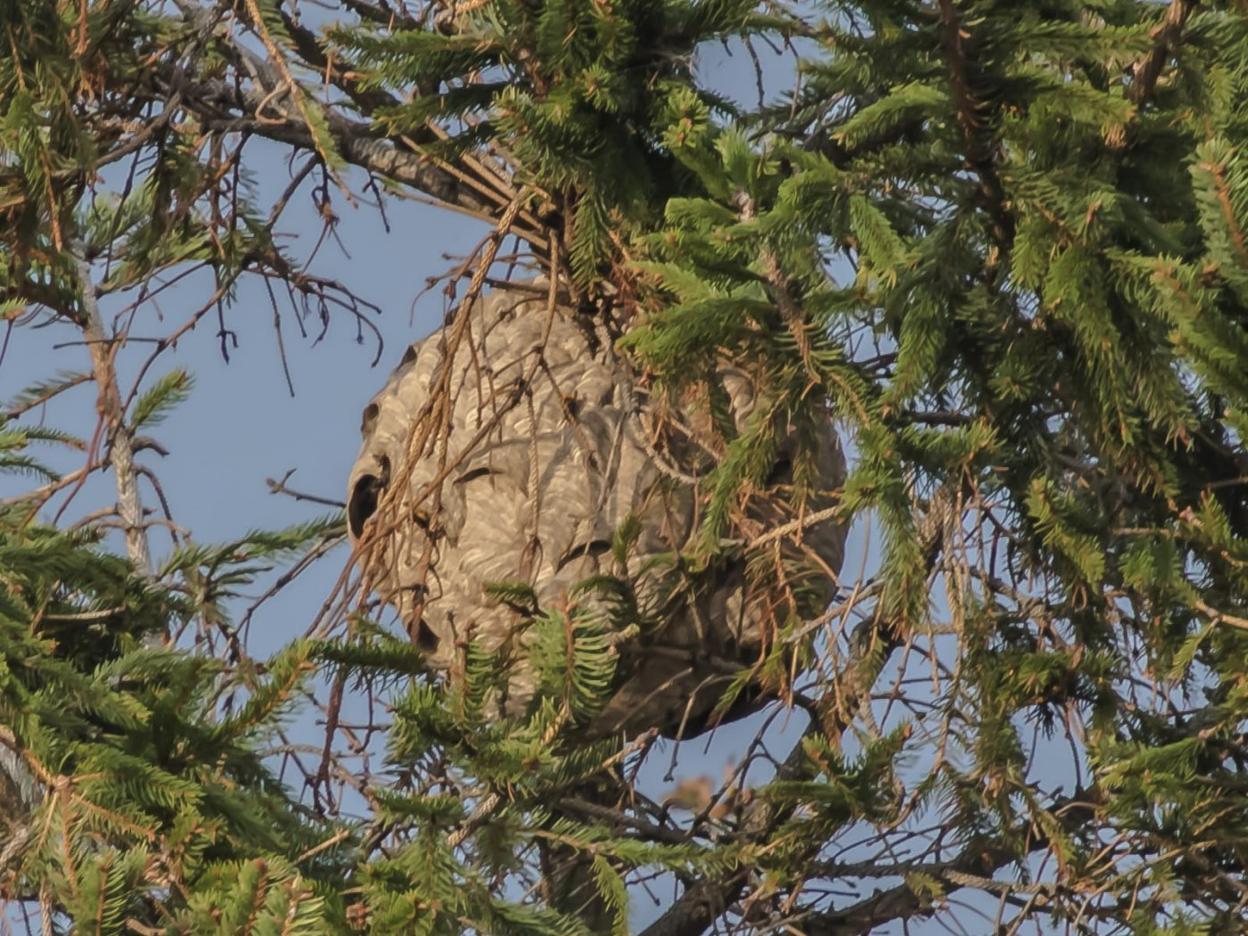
112,417
697,908
1145,74
218,104
978,861
227,105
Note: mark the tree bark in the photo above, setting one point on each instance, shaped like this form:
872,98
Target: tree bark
118,440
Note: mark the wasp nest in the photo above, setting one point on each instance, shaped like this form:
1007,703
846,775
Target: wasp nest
544,450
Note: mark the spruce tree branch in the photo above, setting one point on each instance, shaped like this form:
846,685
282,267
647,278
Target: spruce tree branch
791,312
1145,74
703,902
42,494
308,46
873,644
793,526
221,106
979,156
354,139
647,831
119,439
272,105
485,808
697,908
382,14
41,398
973,867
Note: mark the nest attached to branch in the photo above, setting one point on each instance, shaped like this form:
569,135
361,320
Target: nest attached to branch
513,446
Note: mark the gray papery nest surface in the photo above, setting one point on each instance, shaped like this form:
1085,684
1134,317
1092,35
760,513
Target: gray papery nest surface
546,471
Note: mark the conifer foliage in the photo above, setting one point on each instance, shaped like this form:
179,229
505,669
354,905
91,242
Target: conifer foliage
1001,246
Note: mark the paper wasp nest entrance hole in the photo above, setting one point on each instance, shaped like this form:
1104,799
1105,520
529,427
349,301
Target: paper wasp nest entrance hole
546,450
366,494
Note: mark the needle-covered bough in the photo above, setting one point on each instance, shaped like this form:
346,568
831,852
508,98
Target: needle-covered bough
557,480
